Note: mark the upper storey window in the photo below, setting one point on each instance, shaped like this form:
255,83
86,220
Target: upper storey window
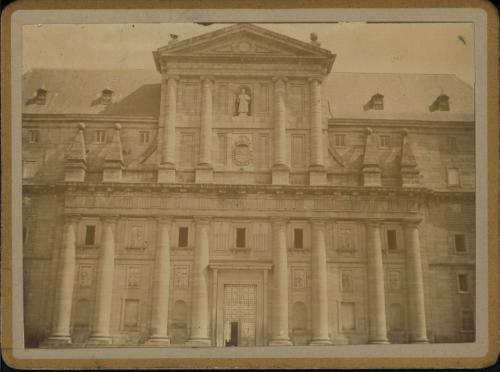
106,97
375,103
39,98
34,136
442,103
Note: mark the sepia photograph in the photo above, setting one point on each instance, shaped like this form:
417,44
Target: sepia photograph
228,186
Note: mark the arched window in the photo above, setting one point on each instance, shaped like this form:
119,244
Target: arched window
299,316
396,317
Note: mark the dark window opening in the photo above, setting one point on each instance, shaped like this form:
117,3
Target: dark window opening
298,238
25,234
106,97
41,96
392,243
233,341
467,320
240,238
183,236
34,136
463,285
460,243
90,235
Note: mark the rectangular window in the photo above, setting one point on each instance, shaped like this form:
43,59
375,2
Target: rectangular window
34,136
348,316
467,320
384,141
131,313
298,151
463,283
144,136
340,140
183,236
298,238
30,168
453,177
99,136
90,235
460,246
392,242
452,144
240,237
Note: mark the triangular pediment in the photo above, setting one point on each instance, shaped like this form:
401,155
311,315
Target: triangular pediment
244,40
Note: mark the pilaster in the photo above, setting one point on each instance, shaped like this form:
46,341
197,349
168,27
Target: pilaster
104,293
376,288
65,285
113,161
280,169
167,122
199,296
75,164
415,285
371,170
317,170
161,287
204,170
279,330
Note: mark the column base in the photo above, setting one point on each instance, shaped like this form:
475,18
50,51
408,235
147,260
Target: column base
320,342
280,342
198,342
55,341
166,174
204,174
280,175
419,341
340,340
100,340
158,341
317,176
379,342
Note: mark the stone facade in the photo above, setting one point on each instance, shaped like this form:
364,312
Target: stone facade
240,203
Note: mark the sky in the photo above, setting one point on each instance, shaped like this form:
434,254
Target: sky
438,48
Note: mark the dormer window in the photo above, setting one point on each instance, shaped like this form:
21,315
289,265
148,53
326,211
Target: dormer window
442,103
106,97
41,96
375,103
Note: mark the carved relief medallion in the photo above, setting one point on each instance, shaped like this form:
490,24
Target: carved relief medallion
242,152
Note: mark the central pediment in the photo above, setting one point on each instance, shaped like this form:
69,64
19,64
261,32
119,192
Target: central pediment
243,41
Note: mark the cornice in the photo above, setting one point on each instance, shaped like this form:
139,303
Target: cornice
401,123
231,191
89,118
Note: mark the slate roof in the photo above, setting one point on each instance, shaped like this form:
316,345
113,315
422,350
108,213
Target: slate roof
137,93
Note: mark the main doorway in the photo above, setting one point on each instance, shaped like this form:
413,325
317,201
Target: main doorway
240,314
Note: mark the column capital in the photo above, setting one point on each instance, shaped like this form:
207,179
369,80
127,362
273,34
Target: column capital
202,220
110,218
72,217
279,220
207,78
374,223
278,79
413,223
164,220
317,221
173,77
318,79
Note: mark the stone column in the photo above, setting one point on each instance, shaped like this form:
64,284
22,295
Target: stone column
161,288
376,290
199,295
319,285
204,170
280,171
279,335
415,280
167,121
64,292
317,171
104,292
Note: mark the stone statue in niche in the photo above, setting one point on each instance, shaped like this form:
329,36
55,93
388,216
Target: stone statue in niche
243,102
